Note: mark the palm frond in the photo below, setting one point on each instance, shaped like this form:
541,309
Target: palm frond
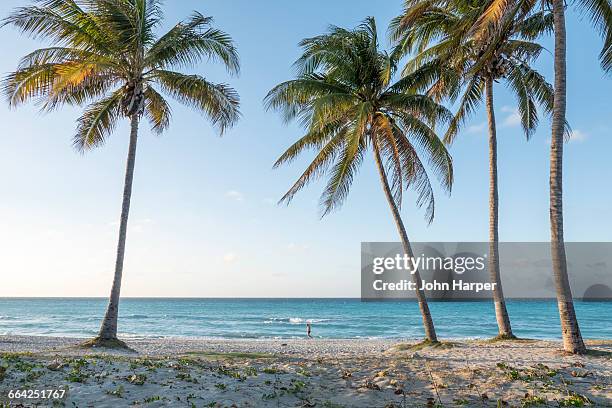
97,122
157,110
525,51
526,105
295,97
383,129
218,101
342,175
536,25
187,43
76,83
63,22
606,54
600,13
418,105
415,175
432,147
122,19
60,55
32,82
317,167
471,99
491,18
314,139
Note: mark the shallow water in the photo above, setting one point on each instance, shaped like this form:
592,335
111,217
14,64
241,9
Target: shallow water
286,318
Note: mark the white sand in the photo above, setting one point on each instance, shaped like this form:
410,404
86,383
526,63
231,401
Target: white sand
176,346
306,373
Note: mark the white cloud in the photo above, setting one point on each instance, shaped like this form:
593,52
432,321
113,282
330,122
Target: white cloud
234,195
476,128
513,118
292,246
578,136
229,257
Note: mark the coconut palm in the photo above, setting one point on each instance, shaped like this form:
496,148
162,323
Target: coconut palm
457,63
600,13
106,54
344,95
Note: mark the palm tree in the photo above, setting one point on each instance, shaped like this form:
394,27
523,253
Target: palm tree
345,97
463,65
600,12
106,54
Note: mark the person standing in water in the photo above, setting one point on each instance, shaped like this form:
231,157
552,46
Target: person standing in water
308,329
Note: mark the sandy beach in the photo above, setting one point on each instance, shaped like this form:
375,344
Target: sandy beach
306,373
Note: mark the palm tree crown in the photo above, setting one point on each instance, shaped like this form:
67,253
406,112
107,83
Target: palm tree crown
106,53
454,59
598,11
345,97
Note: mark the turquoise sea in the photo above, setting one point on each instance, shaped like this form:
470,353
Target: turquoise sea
286,318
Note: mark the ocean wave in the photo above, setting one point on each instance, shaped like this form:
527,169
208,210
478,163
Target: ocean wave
294,320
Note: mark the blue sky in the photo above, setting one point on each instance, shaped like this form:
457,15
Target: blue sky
204,220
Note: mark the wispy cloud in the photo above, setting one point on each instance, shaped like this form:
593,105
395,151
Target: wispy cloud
229,257
292,246
578,135
513,118
476,128
234,195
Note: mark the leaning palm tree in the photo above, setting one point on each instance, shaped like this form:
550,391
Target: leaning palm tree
106,54
600,13
345,97
453,62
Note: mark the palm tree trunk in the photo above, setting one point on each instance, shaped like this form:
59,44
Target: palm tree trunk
108,330
501,314
572,339
430,331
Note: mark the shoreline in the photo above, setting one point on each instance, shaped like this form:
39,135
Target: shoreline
309,372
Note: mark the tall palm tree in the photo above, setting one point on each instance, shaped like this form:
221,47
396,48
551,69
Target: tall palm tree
345,97
106,54
600,13
453,61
